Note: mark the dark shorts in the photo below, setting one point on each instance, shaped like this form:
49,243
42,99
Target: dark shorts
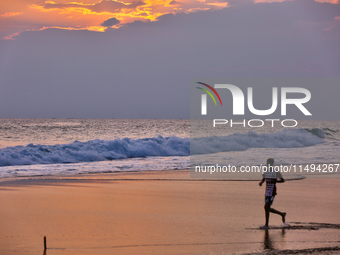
269,200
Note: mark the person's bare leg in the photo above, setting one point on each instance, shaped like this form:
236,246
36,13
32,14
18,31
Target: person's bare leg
267,210
283,214
284,217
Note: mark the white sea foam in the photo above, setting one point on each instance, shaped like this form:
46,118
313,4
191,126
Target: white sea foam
112,166
287,138
102,150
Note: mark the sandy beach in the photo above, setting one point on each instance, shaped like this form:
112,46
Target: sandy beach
165,213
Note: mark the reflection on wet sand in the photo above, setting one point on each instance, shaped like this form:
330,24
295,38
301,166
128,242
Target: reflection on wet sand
268,243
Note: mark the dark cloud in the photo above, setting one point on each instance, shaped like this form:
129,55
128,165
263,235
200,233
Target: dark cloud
174,2
110,22
136,4
143,70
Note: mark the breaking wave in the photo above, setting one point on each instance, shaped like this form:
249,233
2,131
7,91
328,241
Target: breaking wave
94,150
101,150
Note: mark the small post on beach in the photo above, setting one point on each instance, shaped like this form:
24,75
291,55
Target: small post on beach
45,243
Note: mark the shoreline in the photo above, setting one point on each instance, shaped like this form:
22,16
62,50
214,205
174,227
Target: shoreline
173,174
162,213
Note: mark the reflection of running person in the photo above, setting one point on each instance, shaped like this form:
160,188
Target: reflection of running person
271,179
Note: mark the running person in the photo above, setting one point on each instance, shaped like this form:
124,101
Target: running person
271,177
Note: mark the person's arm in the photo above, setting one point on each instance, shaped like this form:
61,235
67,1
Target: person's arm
279,176
262,181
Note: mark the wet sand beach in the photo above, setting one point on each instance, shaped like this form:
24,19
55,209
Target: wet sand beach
165,213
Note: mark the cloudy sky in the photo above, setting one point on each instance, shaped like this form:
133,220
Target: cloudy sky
135,59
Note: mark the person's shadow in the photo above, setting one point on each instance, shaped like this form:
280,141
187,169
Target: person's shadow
268,243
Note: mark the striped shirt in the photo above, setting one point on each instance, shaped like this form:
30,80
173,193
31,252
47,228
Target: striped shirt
271,178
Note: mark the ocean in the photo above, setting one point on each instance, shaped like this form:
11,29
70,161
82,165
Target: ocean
45,147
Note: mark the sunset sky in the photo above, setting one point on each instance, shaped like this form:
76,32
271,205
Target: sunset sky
135,59
90,15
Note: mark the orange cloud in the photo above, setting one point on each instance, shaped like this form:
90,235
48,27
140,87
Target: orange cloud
10,14
328,1
91,14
